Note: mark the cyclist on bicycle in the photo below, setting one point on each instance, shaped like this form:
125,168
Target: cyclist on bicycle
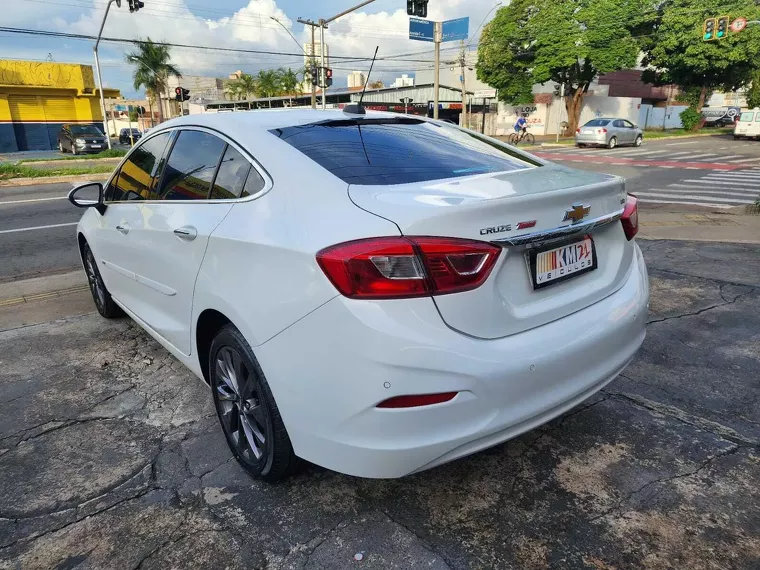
521,126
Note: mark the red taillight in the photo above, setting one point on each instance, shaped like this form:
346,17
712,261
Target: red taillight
630,217
577,130
417,400
601,131
404,267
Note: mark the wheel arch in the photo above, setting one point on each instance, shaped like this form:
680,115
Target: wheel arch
209,323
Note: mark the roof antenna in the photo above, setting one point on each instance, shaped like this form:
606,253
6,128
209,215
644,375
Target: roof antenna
358,109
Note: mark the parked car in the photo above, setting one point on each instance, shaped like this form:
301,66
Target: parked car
124,136
609,133
377,294
748,125
78,139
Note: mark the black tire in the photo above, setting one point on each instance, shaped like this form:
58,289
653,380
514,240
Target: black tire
612,143
247,411
638,141
580,145
105,304
512,139
529,138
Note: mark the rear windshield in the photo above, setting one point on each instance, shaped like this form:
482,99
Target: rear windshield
747,116
399,151
597,123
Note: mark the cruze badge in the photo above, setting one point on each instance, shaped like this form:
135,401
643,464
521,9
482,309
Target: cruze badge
576,213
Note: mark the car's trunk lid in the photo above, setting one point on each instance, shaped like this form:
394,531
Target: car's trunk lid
514,209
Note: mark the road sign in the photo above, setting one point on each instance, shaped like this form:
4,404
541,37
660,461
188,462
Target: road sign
422,30
738,25
458,29
484,94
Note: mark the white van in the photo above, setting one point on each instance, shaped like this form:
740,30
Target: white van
748,125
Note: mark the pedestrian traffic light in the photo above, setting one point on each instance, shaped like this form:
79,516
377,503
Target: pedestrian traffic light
709,30
181,94
722,27
328,77
135,5
411,8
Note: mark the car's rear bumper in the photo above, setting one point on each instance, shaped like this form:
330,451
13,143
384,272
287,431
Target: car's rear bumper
591,139
330,370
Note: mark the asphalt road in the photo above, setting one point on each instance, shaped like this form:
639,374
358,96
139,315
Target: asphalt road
111,457
37,234
675,173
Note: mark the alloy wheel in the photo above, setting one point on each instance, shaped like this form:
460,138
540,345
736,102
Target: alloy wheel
239,399
97,287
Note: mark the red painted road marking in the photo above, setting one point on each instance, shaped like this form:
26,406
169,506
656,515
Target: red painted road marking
632,162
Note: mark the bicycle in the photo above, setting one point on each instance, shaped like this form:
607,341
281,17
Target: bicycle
524,136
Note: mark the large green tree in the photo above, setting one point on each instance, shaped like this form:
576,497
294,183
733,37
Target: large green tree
153,67
676,52
560,41
242,87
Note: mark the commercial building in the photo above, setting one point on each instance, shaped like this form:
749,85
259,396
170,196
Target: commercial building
403,81
36,98
356,79
313,52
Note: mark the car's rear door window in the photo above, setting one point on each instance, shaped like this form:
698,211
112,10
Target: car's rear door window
231,177
191,166
747,116
136,176
399,151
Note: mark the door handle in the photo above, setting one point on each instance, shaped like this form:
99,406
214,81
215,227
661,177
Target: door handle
186,233
124,229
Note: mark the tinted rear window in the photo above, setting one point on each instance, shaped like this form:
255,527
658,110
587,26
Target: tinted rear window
399,151
597,123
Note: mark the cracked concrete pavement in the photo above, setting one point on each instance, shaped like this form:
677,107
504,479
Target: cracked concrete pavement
111,457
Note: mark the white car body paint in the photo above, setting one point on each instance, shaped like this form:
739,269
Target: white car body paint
516,357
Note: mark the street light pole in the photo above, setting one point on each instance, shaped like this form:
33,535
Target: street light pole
97,70
311,58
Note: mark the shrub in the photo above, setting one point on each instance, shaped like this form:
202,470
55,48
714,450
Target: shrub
690,118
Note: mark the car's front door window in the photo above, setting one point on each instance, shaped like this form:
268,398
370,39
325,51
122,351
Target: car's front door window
135,179
191,166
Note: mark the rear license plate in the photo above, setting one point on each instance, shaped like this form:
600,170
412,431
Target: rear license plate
550,266
587,132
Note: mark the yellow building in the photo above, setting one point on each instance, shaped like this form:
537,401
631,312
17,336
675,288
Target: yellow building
36,98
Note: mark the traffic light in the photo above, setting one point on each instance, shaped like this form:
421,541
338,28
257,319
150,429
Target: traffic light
181,94
328,77
135,5
709,30
314,75
417,8
722,27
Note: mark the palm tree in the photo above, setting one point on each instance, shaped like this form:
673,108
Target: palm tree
246,85
153,68
232,89
376,85
289,80
269,84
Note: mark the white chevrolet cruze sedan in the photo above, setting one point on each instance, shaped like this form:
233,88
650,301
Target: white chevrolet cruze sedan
374,293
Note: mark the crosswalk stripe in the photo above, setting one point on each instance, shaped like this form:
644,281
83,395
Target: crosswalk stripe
744,160
704,190
734,178
687,203
640,153
693,197
696,156
727,183
682,143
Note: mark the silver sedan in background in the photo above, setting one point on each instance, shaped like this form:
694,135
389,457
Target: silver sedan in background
609,133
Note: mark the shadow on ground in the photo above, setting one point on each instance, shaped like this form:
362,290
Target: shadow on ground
110,457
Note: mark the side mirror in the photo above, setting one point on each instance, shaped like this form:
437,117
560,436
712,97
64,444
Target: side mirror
88,195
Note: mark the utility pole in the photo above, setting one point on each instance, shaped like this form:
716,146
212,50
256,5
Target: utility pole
312,61
437,33
97,70
322,23
559,111
463,64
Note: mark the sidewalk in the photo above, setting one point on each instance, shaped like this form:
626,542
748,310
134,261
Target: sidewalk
730,226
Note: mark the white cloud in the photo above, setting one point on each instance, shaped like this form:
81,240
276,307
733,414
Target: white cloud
252,27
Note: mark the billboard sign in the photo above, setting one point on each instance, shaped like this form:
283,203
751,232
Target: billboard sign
458,29
422,30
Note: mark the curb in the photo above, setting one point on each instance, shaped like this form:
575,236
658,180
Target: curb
64,163
54,179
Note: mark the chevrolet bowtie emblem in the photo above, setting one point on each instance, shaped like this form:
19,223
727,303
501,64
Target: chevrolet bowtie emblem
576,213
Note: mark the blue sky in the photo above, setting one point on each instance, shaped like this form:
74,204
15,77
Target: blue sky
245,24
